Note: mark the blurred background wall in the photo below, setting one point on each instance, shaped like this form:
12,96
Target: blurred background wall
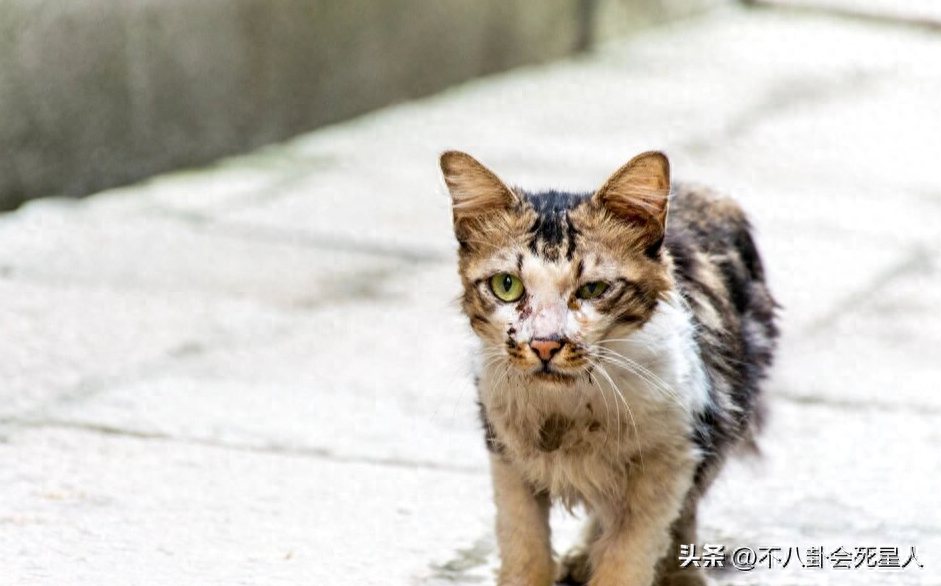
98,93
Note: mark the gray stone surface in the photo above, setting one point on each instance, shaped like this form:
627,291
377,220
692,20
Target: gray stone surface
255,373
99,93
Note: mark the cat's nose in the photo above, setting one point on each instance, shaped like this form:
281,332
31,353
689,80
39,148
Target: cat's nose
546,349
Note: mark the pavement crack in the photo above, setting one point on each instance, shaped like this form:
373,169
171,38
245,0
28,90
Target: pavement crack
460,568
270,448
306,239
853,405
783,97
334,243
917,259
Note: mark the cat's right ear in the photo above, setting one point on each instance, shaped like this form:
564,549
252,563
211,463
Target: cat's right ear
638,193
476,191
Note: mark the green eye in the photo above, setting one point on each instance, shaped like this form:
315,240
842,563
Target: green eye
506,287
591,290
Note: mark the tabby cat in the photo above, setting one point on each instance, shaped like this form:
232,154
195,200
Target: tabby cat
621,353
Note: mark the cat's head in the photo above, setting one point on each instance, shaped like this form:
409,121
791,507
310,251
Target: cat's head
549,276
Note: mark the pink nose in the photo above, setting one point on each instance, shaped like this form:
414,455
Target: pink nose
546,349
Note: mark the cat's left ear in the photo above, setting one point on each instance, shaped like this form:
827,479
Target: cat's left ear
638,193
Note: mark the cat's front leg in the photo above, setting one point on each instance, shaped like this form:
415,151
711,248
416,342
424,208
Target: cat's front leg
636,532
522,528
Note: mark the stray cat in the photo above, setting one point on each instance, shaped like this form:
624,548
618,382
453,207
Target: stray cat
621,353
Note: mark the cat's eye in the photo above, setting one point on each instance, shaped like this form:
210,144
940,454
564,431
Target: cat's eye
506,287
591,290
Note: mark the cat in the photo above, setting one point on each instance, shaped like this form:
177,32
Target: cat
623,337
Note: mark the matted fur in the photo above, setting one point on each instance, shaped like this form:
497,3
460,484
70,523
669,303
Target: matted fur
647,387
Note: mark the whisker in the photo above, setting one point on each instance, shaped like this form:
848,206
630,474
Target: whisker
666,391
630,412
641,371
607,412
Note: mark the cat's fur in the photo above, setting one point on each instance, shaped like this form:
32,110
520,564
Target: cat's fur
656,381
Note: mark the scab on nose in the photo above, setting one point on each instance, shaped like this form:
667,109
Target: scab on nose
548,321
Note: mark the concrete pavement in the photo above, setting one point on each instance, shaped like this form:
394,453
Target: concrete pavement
255,373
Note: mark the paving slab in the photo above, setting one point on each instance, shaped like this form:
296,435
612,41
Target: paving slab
67,342
409,397
878,351
93,298
57,243
87,508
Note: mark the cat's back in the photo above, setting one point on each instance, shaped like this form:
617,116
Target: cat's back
720,274
710,240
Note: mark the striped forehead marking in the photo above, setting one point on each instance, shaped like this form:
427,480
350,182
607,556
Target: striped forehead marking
552,234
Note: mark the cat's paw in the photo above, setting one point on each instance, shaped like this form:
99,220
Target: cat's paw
574,567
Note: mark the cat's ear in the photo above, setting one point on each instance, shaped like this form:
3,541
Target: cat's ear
475,190
637,193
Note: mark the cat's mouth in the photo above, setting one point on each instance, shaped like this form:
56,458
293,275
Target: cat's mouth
562,365
549,373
